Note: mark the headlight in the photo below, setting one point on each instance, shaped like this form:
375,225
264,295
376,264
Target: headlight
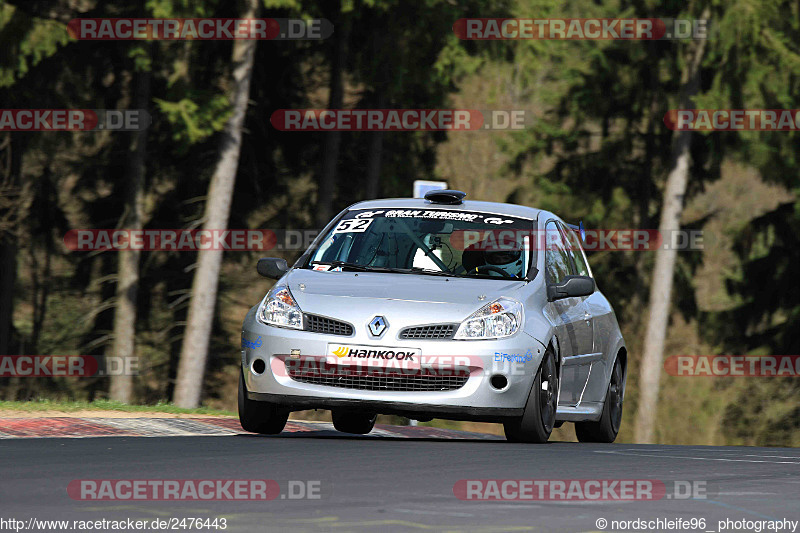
501,318
280,309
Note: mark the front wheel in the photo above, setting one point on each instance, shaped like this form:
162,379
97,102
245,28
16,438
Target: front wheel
538,419
259,417
606,429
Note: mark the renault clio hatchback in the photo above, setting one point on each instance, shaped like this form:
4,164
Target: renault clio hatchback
439,307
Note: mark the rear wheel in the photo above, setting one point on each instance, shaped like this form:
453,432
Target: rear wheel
538,419
606,429
259,417
355,422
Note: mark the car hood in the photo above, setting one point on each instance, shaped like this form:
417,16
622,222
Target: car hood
411,298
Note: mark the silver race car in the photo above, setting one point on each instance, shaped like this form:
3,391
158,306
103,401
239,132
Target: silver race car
436,308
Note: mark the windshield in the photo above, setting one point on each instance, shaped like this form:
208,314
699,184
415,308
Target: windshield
427,241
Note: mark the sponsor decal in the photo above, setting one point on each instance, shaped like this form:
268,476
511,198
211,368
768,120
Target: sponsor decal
374,352
445,215
353,225
513,358
251,344
341,351
495,220
432,214
368,214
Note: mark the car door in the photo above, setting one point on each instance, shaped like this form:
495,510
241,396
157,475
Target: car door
568,316
585,331
580,367
603,323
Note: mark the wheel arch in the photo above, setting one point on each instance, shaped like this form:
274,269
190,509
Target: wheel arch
556,349
622,355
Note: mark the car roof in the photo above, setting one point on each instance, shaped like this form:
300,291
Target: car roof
466,205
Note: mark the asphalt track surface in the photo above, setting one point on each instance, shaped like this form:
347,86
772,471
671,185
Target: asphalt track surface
395,484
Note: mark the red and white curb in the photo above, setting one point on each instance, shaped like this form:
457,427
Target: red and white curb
68,427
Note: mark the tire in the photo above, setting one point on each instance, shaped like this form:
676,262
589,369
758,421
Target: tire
358,423
606,429
259,417
538,419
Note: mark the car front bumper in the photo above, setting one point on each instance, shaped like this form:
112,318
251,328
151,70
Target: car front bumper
516,358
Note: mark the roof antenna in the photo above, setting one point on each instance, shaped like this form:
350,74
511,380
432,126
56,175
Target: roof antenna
445,196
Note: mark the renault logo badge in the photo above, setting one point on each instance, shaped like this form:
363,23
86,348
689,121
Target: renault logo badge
377,326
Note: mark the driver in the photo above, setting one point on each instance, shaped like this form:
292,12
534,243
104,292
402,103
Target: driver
508,260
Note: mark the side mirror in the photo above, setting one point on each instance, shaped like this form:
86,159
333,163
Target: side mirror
571,286
272,267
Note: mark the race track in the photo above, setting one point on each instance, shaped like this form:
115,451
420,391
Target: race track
394,483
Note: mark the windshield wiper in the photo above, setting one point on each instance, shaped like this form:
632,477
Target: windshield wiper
343,264
429,272
393,270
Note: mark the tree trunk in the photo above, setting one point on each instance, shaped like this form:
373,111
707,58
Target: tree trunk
8,278
381,86
663,272
124,344
9,220
333,139
194,351
374,164
375,155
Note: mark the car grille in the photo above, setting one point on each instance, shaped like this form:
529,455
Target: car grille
435,331
322,324
348,378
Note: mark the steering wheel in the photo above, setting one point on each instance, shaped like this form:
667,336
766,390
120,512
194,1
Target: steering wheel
494,269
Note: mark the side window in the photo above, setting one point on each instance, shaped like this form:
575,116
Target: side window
556,259
580,261
575,251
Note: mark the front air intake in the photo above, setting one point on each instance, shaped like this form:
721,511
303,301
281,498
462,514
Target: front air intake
329,326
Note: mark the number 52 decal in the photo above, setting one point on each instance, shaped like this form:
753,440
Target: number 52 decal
353,225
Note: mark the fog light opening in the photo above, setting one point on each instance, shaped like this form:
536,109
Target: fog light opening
259,366
498,381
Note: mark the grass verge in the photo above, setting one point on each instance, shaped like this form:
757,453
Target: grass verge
105,405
